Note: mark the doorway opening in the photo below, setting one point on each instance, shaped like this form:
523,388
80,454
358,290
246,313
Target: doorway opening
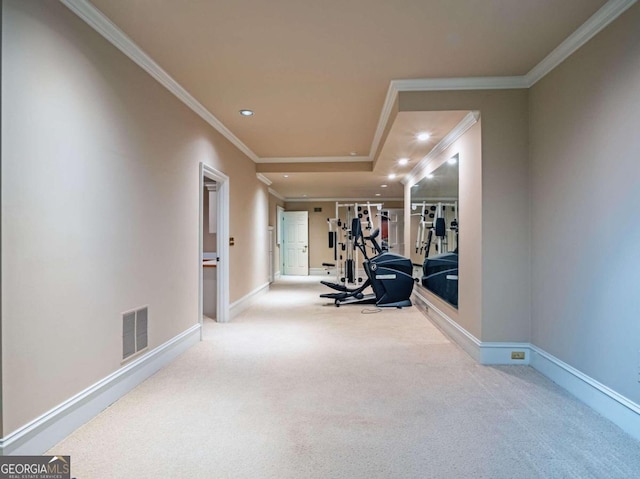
213,251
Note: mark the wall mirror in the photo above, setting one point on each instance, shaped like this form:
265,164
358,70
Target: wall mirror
434,231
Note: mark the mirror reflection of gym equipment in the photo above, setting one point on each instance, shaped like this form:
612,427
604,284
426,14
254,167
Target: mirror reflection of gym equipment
434,222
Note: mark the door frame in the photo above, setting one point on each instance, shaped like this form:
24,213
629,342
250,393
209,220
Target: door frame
222,242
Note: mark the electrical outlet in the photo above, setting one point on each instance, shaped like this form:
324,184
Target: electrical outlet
517,354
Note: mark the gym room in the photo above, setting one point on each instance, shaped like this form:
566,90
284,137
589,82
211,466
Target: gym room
295,239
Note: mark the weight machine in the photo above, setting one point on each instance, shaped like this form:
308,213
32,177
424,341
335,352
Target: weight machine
439,271
433,222
342,241
388,275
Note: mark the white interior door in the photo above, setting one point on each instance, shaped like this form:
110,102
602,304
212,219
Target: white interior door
296,243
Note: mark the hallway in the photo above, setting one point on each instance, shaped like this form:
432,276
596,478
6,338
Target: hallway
294,388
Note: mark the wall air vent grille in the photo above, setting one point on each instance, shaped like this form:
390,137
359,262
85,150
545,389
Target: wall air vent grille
134,332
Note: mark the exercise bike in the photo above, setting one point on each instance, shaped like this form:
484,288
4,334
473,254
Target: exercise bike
388,274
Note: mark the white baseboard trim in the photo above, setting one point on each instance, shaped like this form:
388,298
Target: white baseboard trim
483,353
247,300
461,336
500,353
50,428
615,407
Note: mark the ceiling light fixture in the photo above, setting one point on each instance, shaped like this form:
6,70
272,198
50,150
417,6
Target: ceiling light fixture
424,136
403,161
286,176
377,194
383,186
246,112
353,153
429,176
392,176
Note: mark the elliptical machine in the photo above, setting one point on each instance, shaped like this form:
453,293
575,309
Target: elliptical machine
388,274
440,272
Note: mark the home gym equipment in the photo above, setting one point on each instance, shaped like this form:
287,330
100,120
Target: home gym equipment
341,240
440,276
440,271
388,274
391,230
433,219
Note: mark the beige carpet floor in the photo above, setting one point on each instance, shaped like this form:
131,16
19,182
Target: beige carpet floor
295,388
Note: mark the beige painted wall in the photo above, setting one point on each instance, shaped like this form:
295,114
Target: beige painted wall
100,204
499,185
585,151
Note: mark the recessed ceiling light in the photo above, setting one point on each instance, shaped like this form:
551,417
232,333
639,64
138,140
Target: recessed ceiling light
246,112
383,186
403,161
429,176
392,176
424,136
286,176
453,160
377,194
304,196
353,153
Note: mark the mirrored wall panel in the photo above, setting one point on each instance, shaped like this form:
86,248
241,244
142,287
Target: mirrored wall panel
435,229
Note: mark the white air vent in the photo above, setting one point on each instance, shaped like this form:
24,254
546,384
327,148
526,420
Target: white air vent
134,332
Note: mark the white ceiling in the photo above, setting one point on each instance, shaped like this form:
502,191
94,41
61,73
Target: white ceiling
317,73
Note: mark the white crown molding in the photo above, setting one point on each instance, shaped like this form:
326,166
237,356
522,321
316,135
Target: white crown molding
314,159
276,194
389,100
438,84
264,179
464,83
105,27
603,17
599,20
460,129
